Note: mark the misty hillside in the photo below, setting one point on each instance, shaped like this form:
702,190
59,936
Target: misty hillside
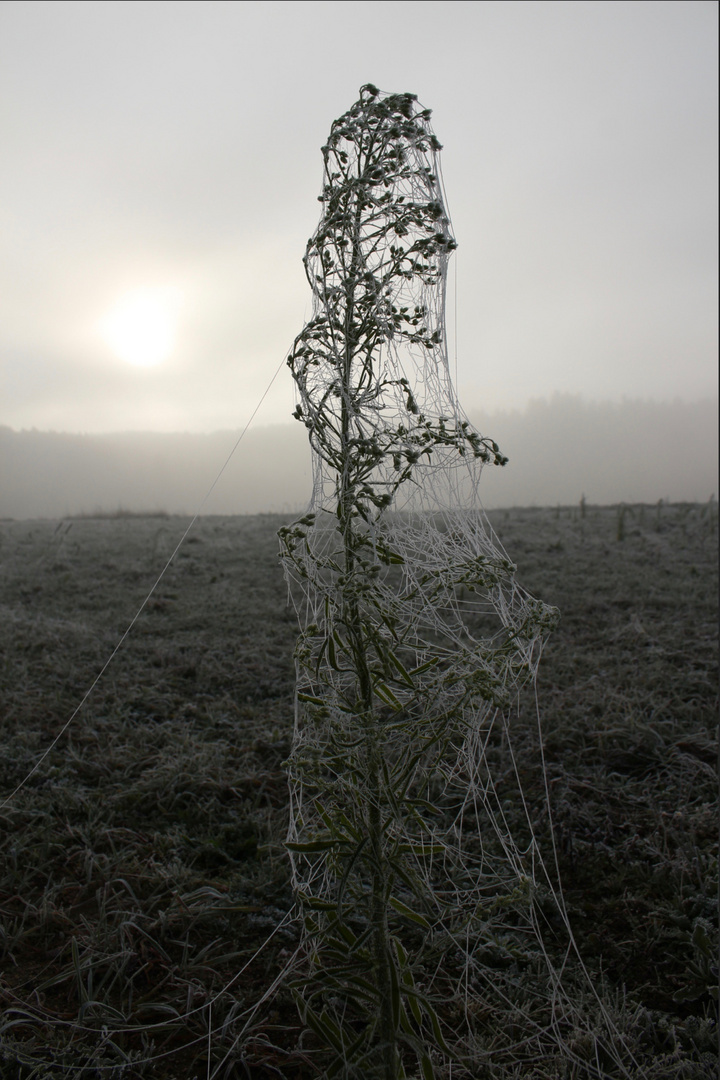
558,450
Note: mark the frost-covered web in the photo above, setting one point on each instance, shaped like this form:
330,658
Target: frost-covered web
423,912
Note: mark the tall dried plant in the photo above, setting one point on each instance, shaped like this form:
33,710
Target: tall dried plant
414,632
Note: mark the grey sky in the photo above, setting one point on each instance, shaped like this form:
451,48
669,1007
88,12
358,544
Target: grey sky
176,146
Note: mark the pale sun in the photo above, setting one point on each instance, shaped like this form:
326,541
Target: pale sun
140,328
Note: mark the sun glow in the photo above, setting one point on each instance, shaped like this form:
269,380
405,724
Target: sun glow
140,328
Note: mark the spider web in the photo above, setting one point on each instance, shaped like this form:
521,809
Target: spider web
415,639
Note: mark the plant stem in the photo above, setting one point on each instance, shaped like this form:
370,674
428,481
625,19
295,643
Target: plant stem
381,936
353,623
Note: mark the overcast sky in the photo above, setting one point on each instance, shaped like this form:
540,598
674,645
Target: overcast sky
168,154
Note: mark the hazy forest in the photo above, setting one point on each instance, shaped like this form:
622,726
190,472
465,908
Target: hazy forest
142,864
586,447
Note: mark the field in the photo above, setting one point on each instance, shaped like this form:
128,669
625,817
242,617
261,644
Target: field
142,863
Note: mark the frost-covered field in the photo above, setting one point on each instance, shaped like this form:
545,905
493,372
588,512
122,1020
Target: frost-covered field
142,865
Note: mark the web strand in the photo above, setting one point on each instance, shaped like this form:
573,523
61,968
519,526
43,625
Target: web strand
121,641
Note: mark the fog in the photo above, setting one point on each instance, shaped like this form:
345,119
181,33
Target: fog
172,149
559,450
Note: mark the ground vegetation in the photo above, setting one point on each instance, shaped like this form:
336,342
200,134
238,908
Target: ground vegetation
142,865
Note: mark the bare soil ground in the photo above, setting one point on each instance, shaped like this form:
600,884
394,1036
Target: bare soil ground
142,866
